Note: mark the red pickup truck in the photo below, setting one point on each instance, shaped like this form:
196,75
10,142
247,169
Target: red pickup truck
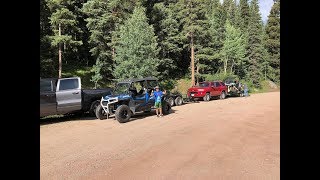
206,90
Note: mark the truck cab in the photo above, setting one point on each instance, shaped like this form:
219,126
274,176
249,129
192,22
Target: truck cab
60,96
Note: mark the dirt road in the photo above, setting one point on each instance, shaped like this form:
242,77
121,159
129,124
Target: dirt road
235,138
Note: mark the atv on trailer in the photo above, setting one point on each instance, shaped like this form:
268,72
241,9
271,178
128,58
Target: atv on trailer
234,88
128,98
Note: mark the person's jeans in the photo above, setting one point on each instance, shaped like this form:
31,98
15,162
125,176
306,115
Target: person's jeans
246,92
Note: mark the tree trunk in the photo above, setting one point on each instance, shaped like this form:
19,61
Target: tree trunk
225,65
232,66
60,54
197,72
192,62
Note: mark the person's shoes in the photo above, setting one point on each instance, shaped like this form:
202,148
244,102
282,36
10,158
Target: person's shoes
161,115
158,115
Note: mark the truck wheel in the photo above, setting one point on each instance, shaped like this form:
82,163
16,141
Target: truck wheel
170,101
207,97
100,113
123,114
178,101
166,108
222,95
93,107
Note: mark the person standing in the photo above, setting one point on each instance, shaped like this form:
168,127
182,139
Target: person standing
245,89
158,105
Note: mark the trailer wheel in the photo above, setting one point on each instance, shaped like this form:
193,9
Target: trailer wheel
166,108
178,101
123,113
170,101
100,113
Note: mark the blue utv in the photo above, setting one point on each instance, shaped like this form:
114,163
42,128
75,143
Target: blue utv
130,97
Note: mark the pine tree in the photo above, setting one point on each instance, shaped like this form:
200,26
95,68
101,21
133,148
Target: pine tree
167,29
233,50
47,64
136,48
217,28
255,45
245,14
103,17
273,40
191,15
238,21
231,13
63,23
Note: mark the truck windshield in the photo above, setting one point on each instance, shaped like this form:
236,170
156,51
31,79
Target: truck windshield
121,88
203,84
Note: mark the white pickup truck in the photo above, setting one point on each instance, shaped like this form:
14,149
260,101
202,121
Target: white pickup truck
64,96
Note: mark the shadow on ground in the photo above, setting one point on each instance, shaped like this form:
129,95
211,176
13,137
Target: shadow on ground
64,118
86,117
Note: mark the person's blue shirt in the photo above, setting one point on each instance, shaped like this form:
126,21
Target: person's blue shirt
158,95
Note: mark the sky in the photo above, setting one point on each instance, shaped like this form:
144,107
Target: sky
265,7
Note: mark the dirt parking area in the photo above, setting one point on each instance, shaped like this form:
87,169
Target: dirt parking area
235,138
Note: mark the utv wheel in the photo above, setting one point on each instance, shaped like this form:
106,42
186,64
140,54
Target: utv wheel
178,101
170,101
93,107
100,113
123,114
207,97
166,108
223,95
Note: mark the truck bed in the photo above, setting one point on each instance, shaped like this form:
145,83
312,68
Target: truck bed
90,95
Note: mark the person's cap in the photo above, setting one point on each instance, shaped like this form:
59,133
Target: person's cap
157,87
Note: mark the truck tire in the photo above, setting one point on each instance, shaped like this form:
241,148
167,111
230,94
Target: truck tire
222,95
93,107
100,113
166,108
207,97
170,101
123,113
178,101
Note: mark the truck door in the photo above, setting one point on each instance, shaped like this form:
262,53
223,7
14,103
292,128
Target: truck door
219,88
68,95
211,86
48,103
215,89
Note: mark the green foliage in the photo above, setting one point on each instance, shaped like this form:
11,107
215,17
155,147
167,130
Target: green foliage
231,12
220,76
47,56
97,76
103,39
63,17
168,84
273,41
255,45
136,49
233,50
217,29
167,29
245,14
103,18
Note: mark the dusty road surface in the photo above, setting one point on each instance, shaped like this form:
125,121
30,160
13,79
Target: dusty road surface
235,138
